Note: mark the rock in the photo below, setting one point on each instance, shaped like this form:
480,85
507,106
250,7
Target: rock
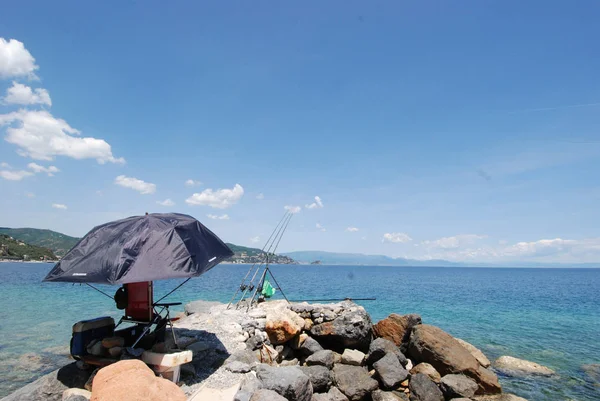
476,352
460,399
297,342
133,380
409,364
351,329
379,347
332,395
238,367
592,371
254,343
199,307
76,394
433,345
308,324
390,372
110,342
499,397
289,382
396,328
250,383
319,376
379,395
96,349
354,381
353,357
90,381
519,367
322,358
245,356
422,388
310,346
268,354
115,352
282,325
456,386
428,370
266,395
290,362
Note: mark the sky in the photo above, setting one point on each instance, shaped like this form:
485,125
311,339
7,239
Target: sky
464,131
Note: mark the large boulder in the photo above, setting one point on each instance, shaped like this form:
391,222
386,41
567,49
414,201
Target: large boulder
352,328
396,328
309,346
319,376
422,388
520,367
433,345
283,325
390,372
499,397
352,357
133,380
266,395
354,381
380,347
289,382
428,370
457,386
322,358
476,352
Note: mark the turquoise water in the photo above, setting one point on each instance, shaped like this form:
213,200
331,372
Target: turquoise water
550,316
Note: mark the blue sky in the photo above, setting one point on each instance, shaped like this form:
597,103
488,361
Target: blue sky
464,131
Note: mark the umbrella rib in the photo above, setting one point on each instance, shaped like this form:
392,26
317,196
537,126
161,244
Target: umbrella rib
100,291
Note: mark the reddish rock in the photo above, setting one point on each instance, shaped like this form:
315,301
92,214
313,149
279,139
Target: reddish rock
396,328
133,380
283,325
433,345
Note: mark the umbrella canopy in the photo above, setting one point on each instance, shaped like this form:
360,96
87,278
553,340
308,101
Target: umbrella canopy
142,248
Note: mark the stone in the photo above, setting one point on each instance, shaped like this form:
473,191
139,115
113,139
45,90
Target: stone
390,371
322,358
433,345
254,343
115,352
133,380
200,307
238,367
96,349
282,325
499,397
319,376
476,352
250,383
353,357
409,364
379,395
352,328
308,324
266,395
592,371
422,388
456,386
332,395
310,346
297,342
76,394
289,382
88,384
354,381
428,370
110,342
245,356
396,328
519,367
379,347
290,362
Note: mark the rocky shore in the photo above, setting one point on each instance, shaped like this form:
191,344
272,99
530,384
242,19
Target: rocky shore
297,352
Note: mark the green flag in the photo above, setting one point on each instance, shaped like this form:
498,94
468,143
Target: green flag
268,290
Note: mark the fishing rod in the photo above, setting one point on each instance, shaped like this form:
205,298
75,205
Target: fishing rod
333,300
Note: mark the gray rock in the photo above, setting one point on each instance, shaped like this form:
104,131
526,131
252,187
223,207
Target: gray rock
319,376
248,386
351,329
519,367
592,372
379,347
245,356
353,357
290,362
454,386
390,372
310,346
76,394
322,358
254,343
242,395
422,388
238,367
266,395
199,307
289,382
379,395
460,399
335,394
354,381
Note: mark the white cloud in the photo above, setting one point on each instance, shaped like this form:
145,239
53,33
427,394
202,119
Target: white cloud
218,199
396,237
15,175
260,196
292,209
5,165
317,204
59,206
166,202
24,95
216,217
41,136
192,183
320,227
15,60
454,242
352,229
30,194
138,185
36,168
255,240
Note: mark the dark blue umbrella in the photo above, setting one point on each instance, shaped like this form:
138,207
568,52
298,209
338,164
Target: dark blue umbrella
142,248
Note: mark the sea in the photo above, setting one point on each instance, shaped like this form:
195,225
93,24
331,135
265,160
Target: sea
549,316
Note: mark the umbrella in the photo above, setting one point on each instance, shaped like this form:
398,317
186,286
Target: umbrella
142,248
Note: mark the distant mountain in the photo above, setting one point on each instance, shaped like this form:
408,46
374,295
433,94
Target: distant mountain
15,249
56,242
333,258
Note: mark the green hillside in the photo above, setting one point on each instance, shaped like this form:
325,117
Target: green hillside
11,248
56,242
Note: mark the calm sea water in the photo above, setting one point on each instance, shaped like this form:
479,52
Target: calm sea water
550,316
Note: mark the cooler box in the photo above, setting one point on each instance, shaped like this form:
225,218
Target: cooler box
87,330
